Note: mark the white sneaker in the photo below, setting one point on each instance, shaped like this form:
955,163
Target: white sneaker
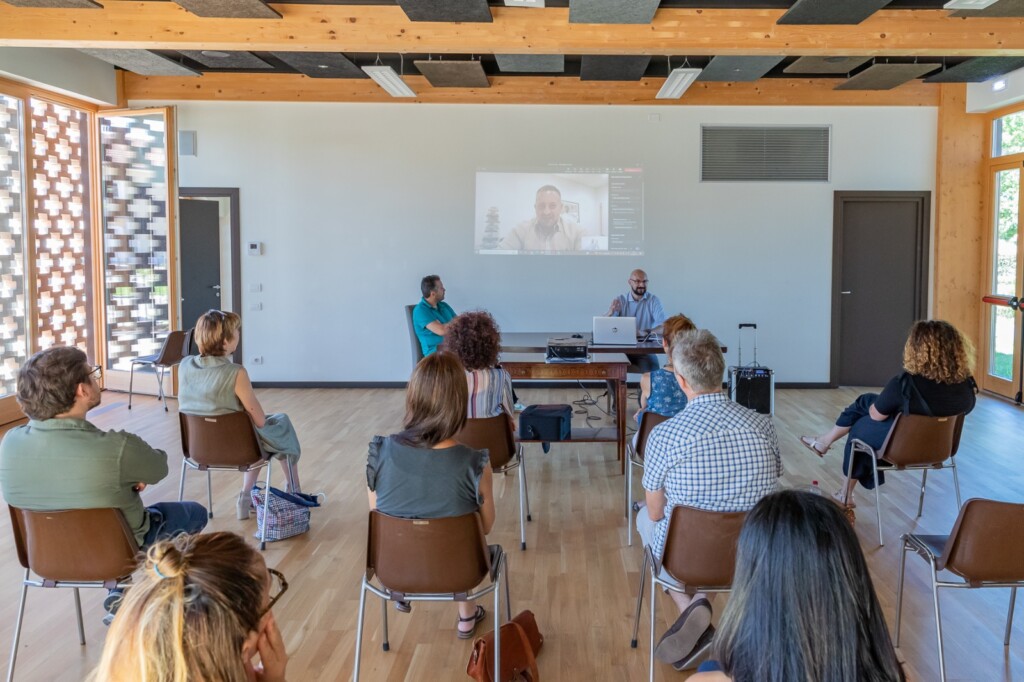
519,407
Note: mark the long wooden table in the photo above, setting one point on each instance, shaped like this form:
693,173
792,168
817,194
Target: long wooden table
537,342
606,366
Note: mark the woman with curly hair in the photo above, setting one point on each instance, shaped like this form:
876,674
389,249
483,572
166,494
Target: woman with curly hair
475,339
199,610
936,381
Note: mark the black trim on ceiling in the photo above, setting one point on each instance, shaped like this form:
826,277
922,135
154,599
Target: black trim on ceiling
658,67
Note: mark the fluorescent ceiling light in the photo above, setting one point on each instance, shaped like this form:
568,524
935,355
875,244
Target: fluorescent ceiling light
524,3
388,78
677,83
969,4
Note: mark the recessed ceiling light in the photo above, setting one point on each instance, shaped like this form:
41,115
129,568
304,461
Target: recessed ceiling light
322,66
215,54
999,85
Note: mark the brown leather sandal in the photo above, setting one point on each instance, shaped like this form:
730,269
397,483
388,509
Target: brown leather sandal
477,616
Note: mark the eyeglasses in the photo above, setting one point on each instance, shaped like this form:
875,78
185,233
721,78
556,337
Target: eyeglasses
282,587
96,372
638,281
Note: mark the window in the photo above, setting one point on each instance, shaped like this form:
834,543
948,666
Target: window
1008,135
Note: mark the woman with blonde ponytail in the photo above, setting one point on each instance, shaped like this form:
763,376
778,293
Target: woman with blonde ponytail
200,612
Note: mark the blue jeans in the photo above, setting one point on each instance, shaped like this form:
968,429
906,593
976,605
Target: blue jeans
169,519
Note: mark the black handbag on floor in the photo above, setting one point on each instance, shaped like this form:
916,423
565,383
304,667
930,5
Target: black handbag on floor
546,423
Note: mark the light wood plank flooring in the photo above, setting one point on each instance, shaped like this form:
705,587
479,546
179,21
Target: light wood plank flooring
577,575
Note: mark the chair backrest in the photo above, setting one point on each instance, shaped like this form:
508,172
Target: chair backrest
492,433
434,556
648,420
700,547
80,545
227,440
417,349
987,543
188,345
172,350
917,440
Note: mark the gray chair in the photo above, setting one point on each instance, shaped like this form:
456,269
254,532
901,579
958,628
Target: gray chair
414,341
170,354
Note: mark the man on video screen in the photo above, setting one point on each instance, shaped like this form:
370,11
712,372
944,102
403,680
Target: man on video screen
549,230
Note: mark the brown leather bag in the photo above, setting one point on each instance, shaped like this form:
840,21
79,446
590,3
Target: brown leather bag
520,643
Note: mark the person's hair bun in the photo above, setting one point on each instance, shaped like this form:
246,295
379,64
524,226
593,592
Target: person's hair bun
166,560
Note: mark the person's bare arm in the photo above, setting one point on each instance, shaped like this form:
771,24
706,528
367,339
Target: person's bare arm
614,308
645,388
372,496
247,396
656,502
876,415
438,328
487,492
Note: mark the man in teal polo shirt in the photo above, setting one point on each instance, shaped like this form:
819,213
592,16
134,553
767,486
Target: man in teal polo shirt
431,316
61,461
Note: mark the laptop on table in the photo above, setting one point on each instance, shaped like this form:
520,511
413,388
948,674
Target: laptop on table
614,331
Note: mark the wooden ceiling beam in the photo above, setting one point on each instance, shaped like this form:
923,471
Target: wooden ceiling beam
515,30
260,87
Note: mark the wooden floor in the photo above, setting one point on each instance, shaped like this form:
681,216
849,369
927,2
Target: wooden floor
578,575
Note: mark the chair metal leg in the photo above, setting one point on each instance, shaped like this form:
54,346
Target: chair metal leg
1009,616
359,629
650,649
160,386
899,589
508,598
263,535
629,481
497,620
17,629
131,382
938,622
209,492
920,499
386,644
878,498
522,507
639,602
78,614
956,482
181,486
526,483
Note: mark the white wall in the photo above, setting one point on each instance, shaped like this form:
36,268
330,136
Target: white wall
356,202
981,97
67,71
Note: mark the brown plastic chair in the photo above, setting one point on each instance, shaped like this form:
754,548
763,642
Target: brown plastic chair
170,354
914,442
430,560
414,340
494,434
985,548
226,442
700,555
648,420
71,548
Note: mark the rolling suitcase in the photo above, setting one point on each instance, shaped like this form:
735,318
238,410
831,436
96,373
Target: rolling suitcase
753,385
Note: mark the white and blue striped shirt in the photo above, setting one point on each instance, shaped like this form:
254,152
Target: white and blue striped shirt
648,311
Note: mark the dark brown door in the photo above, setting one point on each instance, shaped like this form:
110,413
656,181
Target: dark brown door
200,258
879,279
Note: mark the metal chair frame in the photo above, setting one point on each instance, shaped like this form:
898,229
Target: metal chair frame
858,445
76,585
188,463
162,362
912,542
499,570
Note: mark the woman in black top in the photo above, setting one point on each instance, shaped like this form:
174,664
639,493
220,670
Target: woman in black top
937,382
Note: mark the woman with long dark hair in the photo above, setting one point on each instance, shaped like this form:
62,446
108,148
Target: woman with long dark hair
422,472
936,381
802,605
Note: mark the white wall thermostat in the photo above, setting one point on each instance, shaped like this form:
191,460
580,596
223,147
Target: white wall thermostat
255,248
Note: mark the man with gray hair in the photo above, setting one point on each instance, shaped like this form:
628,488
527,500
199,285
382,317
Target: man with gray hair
715,455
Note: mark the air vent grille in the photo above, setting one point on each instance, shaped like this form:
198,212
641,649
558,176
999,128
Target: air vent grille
764,153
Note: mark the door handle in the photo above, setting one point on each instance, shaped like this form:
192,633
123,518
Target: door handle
215,286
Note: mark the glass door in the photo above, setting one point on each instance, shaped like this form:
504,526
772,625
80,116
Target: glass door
1002,356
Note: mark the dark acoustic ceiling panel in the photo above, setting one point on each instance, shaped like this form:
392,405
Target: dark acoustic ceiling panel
531,63
230,9
612,11
142,62
446,10
738,69
886,76
217,59
831,11
450,73
613,67
1003,8
55,4
837,65
321,64
977,70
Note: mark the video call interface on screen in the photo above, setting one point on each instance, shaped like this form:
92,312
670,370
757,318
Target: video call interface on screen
560,210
